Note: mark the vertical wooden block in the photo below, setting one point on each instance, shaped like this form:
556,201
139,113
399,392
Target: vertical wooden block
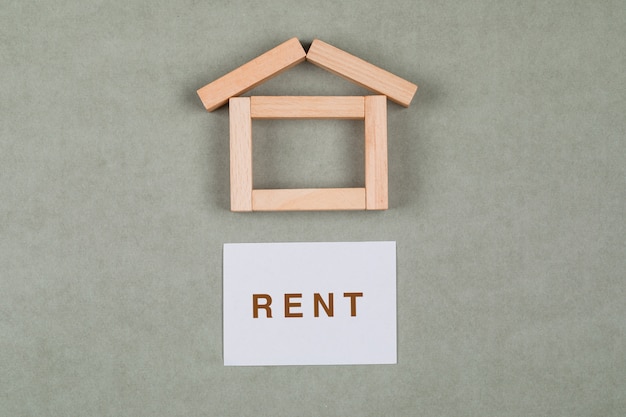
376,176
361,72
251,74
240,154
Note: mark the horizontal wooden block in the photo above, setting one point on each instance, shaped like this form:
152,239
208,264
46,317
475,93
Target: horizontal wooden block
309,199
251,74
307,107
361,72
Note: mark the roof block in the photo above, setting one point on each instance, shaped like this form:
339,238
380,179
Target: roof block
251,74
361,72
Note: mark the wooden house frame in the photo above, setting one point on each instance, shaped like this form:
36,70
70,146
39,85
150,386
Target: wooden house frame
371,109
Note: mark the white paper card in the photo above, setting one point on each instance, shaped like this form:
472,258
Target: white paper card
310,303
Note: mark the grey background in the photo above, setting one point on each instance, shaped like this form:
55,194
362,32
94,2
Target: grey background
507,193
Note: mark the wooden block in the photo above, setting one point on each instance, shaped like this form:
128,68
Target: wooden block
376,153
240,154
361,72
307,107
309,199
251,74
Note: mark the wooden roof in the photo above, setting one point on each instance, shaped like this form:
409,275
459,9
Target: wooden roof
290,54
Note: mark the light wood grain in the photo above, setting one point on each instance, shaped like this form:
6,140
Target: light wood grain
376,176
251,74
309,199
361,72
307,107
240,154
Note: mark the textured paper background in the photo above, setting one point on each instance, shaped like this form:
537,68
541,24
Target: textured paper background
507,194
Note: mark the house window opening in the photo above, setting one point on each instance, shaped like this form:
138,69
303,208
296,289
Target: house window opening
308,153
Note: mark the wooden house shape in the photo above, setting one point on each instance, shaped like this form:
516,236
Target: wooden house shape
371,109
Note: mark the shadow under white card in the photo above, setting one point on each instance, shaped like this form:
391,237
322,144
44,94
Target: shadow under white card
310,303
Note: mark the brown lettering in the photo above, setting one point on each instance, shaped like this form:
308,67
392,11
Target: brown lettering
353,296
289,304
266,306
328,308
